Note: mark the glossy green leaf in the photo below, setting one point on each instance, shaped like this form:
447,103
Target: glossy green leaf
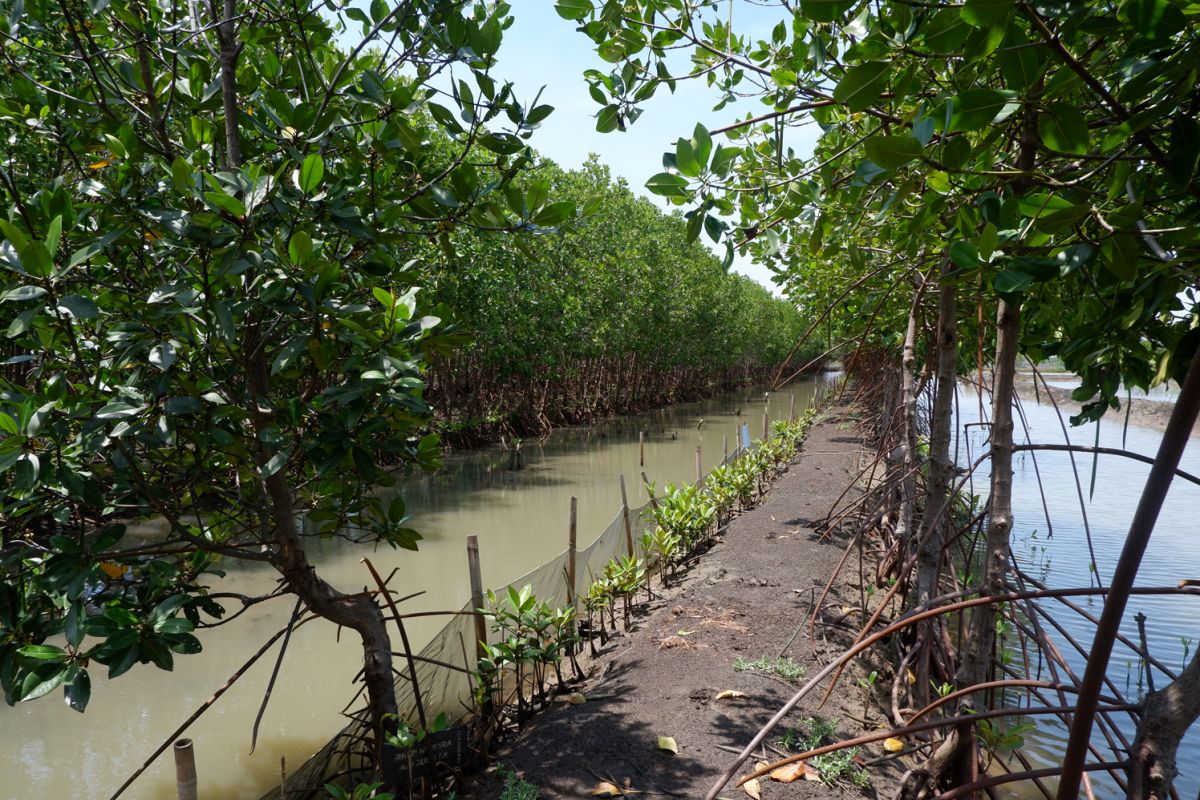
978,108
862,85
893,151
1063,128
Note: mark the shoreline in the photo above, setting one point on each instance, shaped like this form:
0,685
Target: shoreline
1153,414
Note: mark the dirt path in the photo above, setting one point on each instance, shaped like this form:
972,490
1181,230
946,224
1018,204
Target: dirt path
744,599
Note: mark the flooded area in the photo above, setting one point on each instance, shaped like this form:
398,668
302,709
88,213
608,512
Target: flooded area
520,518
1050,543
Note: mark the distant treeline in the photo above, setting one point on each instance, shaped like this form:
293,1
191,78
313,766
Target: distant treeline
618,313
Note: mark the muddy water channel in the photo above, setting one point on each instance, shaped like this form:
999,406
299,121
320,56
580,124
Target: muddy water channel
1050,544
520,517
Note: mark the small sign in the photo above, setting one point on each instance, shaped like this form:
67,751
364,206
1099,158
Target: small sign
445,750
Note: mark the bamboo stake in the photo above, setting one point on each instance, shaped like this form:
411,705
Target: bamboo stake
641,448
185,769
625,513
571,554
699,466
476,594
792,408
725,448
766,422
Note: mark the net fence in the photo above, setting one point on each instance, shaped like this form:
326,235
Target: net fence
443,664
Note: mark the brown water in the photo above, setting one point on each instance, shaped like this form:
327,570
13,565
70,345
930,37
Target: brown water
49,751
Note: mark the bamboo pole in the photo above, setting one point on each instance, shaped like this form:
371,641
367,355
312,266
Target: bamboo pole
641,448
725,447
792,408
185,769
625,513
766,422
699,466
571,553
476,594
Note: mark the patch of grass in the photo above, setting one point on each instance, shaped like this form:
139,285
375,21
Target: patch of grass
515,788
834,768
786,668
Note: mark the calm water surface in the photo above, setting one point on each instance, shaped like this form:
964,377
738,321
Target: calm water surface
47,750
1059,557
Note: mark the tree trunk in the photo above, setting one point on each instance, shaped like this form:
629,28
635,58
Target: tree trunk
908,430
957,752
1168,714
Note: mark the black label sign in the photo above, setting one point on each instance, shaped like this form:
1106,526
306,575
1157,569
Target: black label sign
446,750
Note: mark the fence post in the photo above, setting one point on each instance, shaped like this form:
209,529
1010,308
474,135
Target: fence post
766,421
571,555
625,512
724,448
185,769
641,448
699,466
792,408
476,594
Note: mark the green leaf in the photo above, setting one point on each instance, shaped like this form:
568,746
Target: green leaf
118,411
1063,128
300,248
608,119
41,681
978,108
986,13
162,355
1120,253
702,144
964,255
893,151
555,214
573,9
1154,19
312,172
226,203
42,652
54,234
783,77
275,463
78,306
825,10
1010,281
79,691
36,259
862,85
668,184
22,293
685,159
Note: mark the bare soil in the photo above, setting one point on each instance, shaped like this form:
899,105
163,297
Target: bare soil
745,598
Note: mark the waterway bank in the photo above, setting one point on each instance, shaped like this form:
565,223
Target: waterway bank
1141,411
737,623
521,520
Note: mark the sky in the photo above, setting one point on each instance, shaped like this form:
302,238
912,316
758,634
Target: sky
542,49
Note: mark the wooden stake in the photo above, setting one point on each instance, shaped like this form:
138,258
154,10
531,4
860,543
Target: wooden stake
571,554
699,466
792,408
625,512
725,448
476,594
641,448
185,769
766,422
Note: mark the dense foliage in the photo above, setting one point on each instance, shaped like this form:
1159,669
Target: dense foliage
620,312
209,303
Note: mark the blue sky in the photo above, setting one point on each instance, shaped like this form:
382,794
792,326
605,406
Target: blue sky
542,49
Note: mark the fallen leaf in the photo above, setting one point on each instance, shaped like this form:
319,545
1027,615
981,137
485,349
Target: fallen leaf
753,789
910,677
685,633
729,694
788,772
667,743
574,698
606,789
893,745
